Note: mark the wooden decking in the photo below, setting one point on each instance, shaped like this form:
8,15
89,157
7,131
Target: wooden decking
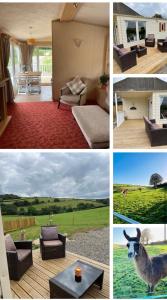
35,282
131,135
147,64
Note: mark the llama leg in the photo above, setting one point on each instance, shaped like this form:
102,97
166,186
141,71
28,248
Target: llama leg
150,288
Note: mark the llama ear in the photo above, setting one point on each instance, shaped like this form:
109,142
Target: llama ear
126,236
138,233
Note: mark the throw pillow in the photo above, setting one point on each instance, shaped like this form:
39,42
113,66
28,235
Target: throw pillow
9,243
76,85
49,233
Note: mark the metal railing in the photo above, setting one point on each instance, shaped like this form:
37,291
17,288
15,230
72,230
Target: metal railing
124,218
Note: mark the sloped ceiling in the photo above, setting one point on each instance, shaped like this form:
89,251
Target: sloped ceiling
16,18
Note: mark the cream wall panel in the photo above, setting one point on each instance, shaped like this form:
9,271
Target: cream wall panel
70,60
141,108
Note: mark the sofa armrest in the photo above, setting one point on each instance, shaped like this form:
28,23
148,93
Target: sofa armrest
120,46
23,244
12,256
131,56
62,238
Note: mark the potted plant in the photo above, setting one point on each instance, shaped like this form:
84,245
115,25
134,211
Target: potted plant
104,80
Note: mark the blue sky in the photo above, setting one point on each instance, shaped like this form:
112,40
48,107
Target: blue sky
149,9
136,168
157,233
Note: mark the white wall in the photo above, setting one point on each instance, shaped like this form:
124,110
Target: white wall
141,108
152,27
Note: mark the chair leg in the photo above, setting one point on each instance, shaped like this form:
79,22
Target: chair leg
58,104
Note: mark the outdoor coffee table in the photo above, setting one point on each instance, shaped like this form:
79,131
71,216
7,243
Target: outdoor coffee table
140,50
64,285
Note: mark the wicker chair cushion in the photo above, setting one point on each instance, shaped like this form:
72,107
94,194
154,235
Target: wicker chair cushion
23,253
54,243
150,36
9,243
49,233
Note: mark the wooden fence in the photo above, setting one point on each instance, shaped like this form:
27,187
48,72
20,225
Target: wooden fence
20,223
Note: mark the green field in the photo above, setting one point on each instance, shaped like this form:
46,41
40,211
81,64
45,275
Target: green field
126,282
68,223
143,204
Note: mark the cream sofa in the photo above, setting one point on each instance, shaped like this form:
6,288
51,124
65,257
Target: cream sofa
94,124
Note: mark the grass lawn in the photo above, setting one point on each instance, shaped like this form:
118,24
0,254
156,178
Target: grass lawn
126,282
68,222
146,206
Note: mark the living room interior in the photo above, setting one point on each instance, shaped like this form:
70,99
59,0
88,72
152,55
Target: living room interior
54,75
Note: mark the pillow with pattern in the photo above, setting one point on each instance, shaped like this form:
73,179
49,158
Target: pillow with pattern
76,85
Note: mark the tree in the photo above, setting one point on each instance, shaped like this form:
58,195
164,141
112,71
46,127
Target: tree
146,236
158,16
155,179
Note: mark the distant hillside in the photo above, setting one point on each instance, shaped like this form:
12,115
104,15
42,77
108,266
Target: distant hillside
143,204
15,205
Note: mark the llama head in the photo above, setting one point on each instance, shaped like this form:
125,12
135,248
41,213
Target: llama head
133,243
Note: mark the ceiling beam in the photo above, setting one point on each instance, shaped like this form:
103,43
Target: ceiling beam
69,11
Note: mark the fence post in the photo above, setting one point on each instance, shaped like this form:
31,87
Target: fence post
5,289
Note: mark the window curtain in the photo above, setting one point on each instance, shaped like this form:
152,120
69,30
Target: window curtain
4,60
26,56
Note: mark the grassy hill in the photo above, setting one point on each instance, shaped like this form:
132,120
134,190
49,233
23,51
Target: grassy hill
68,222
127,283
45,205
143,204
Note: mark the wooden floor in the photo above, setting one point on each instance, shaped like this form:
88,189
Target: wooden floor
35,282
147,64
131,135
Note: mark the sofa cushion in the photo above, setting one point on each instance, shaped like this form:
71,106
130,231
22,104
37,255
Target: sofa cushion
94,124
160,43
154,126
23,253
49,233
76,85
120,51
53,243
9,243
71,99
150,36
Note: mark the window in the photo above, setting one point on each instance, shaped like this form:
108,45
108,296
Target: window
163,107
142,30
162,27
131,31
42,62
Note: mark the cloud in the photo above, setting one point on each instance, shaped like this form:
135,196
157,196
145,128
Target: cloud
82,175
149,9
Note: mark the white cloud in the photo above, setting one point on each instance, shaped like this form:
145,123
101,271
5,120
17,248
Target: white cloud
55,174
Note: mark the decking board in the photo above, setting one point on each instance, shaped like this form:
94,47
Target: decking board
131,135
34,283
147,64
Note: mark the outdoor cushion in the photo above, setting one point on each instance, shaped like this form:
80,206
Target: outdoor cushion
54,243
49,233
9,243
120,51
150,36
23,253
76,85
154,126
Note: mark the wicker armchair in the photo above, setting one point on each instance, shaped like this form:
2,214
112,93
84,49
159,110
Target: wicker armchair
150,40
19,257
52,243
67,97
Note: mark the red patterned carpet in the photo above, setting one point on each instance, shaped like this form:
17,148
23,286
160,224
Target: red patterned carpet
40,125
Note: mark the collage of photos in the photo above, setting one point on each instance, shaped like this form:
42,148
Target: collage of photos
139,150
54,150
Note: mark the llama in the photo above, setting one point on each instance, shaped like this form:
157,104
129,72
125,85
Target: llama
150,269
124,192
